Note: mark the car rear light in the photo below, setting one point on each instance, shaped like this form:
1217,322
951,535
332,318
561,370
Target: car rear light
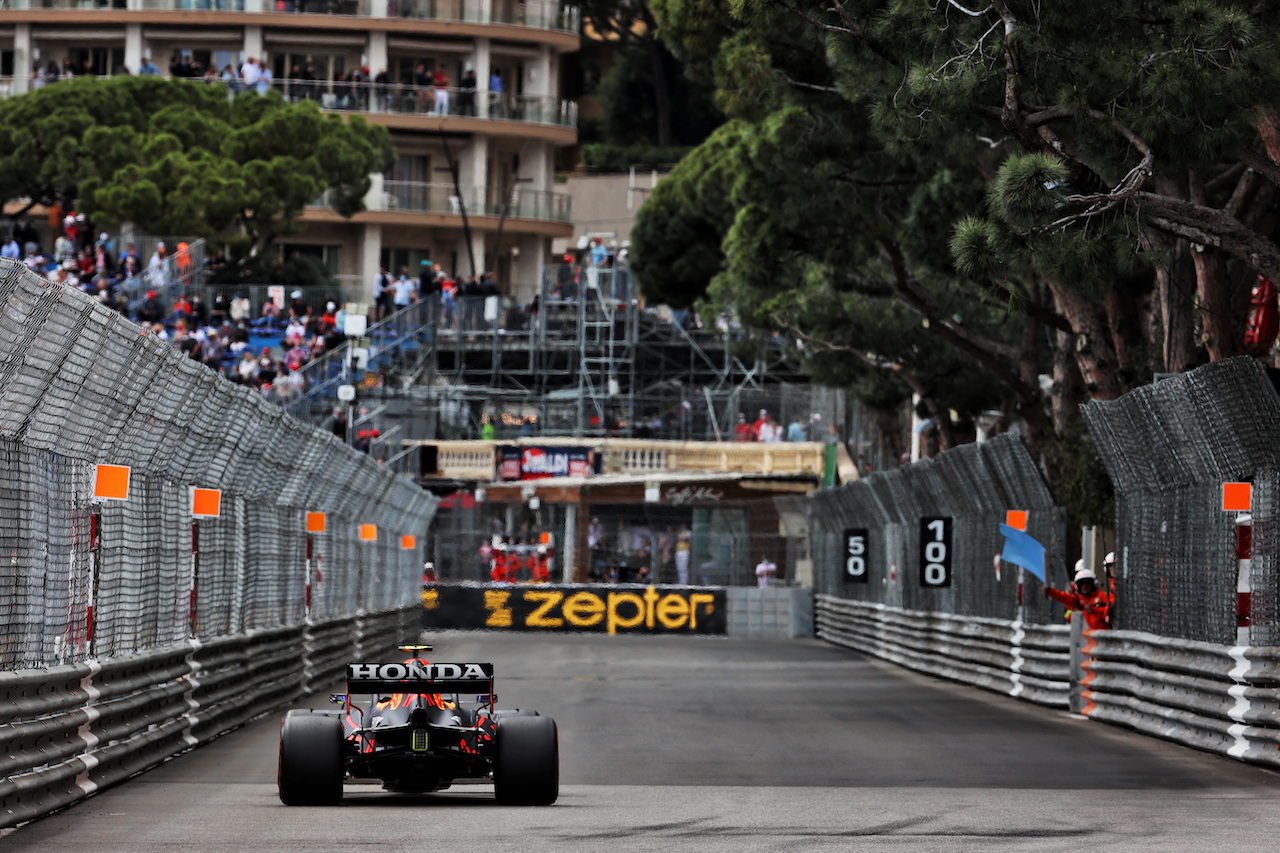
418,740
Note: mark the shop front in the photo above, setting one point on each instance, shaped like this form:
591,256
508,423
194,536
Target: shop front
665,528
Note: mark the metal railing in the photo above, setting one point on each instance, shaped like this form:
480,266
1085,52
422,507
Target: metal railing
418,197
181,269
366,95
535,14
476,460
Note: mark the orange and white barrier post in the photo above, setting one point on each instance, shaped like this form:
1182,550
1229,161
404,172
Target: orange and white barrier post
1238,498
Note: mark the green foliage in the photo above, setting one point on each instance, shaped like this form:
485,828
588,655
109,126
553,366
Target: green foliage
629,97
605,158
676,242
176,157
885,169
1083,487
1027,189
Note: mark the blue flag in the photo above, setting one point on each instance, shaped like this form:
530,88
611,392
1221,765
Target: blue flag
1021,550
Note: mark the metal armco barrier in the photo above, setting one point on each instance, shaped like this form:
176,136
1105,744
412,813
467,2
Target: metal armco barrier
1214,697
1029,662
67,731
600,608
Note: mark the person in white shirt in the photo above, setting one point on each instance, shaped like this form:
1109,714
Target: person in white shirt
250,72
240,309
11,250
766,570
406,290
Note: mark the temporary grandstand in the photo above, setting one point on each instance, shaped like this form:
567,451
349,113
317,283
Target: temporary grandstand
590,365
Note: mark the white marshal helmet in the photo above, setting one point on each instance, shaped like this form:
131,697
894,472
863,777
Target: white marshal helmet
1110,559
1084,574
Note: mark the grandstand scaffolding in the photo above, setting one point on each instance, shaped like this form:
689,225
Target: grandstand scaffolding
581,364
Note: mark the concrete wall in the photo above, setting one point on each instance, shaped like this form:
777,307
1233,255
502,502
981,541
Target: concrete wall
782,612
600,205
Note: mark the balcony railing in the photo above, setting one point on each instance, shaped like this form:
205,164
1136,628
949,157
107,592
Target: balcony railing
443,198
370,97
535,14
408,99
476,460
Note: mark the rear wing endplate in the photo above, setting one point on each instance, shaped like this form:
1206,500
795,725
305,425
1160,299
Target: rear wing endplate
419,677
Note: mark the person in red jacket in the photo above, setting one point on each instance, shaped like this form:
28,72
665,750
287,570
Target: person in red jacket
1087,598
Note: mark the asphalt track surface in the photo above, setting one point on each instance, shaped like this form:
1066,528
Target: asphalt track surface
710,744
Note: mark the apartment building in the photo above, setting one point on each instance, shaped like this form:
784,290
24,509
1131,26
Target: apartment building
497,122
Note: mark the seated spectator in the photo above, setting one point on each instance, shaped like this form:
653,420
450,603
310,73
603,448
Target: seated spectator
219,313
297,307
11,250
267,368
270,316
239,338
295,330
241,310
150,312
181,308
212,350
298,352
200,312
329,319
247,367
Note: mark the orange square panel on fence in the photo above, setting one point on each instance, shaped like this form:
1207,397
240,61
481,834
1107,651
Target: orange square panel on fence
315,522
369,532
408,542
206,503
1237,497
111,482
1016,518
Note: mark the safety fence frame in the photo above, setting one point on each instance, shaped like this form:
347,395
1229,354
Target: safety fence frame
974,485
68,731
83,579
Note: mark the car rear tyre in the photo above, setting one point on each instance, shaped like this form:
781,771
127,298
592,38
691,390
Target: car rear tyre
311,770
526,765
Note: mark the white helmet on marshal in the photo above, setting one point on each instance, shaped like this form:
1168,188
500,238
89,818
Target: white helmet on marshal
1084,574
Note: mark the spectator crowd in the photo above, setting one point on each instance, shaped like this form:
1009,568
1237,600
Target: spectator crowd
218,334
424,90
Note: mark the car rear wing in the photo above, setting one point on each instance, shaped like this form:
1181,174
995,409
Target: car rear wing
419,677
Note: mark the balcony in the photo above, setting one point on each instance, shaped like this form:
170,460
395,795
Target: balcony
403,106
534,14
365,96
413,197
477,460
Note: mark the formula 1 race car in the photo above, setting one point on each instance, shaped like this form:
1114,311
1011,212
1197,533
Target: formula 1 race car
414,734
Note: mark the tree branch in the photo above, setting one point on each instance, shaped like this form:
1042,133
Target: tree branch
799,85
893,368
1000,359
1211,227
1261,165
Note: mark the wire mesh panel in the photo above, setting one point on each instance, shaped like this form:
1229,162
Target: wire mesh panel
81,385
897,516
1169,447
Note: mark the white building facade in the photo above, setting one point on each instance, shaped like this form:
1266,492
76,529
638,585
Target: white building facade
500,136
